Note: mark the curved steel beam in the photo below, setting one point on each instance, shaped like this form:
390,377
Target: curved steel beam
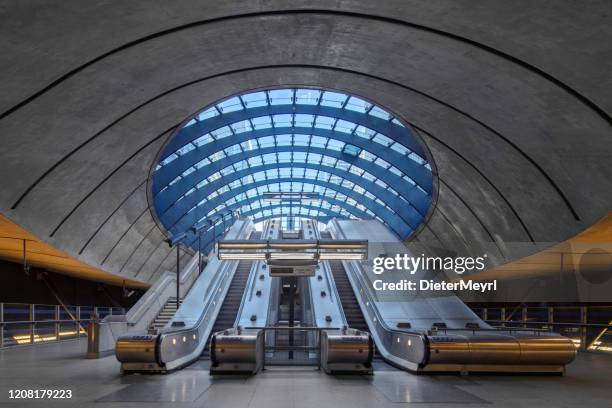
484,176
390,218
400,134
391,82
415,204
480,221
417,172
394,181
107,177
380,172
405,214
129,228
250,200
125,199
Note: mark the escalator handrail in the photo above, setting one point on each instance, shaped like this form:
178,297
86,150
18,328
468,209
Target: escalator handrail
331,283
364,298
221,279
251,281
367,290
216,287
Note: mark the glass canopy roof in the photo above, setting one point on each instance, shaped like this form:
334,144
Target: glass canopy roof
359,158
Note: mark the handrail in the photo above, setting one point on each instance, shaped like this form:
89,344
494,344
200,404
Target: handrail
363,285
252,280
151,296
333,290
241,232
327,308
212,302
218,279
50,327
144,303
34,322
419,356
395,345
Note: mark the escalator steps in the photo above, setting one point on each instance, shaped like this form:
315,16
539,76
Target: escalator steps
229,309
351,308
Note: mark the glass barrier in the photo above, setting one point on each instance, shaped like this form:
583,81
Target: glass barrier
23,324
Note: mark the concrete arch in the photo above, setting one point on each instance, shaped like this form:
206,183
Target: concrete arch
545,102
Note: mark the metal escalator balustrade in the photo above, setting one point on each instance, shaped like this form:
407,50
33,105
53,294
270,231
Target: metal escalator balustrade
457,350
227,315
247,348
183,340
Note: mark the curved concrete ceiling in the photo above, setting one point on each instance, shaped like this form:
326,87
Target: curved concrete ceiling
513,103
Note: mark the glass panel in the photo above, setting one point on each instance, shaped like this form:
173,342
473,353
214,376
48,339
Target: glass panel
254,99
358,105
307,96
283,120
333,99
303,121
230,105
324,122
281,97
262,122
207,114
379,113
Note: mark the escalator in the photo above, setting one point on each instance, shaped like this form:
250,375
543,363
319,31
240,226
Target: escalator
352,311
212,304
231,304
229,310
433,332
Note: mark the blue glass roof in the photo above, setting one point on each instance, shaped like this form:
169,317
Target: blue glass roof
362,161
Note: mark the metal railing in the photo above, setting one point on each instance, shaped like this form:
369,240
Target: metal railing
25,324
293,345
589,327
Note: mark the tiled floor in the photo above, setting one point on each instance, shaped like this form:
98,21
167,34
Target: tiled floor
97,383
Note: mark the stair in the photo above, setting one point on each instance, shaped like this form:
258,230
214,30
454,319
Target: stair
164,315
352,311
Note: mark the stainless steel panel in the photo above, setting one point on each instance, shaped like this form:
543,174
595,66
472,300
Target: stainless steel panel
237,350
136,349
347,346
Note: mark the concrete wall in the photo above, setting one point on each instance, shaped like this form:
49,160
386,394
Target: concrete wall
512,100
